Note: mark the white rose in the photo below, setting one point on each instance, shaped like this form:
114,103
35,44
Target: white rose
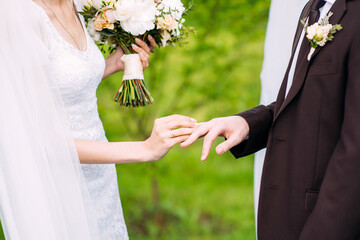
110,14
96,3
174,7
323,31
328,28
312,30
135,16
167,22
165,37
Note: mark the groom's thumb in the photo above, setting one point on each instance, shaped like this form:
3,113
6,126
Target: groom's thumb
225,146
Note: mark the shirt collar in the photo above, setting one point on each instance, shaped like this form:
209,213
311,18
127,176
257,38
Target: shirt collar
330,1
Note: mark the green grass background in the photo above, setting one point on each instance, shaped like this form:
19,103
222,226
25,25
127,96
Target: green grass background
216,74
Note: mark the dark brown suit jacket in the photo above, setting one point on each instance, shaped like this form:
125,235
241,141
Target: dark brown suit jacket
310,186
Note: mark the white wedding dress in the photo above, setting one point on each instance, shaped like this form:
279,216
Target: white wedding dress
78,74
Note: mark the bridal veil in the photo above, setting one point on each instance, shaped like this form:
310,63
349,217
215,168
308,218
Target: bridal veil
42,193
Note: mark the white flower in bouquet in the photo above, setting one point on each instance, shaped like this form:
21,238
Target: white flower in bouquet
92,31
135,16
167,22
175,7
165,37
96,3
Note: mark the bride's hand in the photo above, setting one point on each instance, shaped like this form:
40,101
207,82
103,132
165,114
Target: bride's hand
167,132
114,63
144,50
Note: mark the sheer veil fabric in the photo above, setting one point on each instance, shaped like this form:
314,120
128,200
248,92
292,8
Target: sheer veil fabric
42,190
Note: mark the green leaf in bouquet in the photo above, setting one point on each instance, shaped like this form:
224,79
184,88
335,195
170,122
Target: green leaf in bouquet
88,12
108,32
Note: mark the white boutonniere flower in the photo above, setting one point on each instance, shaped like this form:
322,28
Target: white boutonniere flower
320,34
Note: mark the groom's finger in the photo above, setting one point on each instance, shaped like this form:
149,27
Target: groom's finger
198,132
227,145
208,141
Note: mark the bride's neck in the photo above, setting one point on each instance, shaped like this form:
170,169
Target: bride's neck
57,2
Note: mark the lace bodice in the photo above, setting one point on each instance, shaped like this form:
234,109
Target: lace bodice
77,75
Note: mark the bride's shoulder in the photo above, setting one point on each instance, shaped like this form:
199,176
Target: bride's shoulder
40,10
41,22
38,7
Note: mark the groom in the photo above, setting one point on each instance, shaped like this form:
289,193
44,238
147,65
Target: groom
311,179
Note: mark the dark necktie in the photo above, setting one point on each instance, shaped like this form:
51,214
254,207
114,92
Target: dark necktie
314,11
313,17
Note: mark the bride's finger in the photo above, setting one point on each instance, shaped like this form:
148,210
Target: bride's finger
144,55
177,140
142,44
152,42
175,117
180,121
182,132
144,59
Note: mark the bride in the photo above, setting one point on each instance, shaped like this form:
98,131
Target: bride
50,69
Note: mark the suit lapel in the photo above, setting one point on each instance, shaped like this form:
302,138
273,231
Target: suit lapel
339,9
282,91
300,27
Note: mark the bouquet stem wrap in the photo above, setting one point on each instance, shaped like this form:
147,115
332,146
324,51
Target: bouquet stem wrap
133,91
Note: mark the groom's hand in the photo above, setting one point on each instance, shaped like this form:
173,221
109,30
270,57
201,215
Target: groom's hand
235,129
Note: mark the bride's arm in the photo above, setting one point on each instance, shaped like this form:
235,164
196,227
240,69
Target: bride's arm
114,63
162,139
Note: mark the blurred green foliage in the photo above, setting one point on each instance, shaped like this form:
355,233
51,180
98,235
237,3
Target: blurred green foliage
216,74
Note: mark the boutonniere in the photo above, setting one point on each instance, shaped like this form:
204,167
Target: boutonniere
320,34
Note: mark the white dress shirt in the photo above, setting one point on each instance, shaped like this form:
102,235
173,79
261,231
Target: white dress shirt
323,12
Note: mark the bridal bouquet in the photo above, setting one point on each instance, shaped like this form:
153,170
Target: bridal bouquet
116,23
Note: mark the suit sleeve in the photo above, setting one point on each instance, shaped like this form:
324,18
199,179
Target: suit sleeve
260,120
337,212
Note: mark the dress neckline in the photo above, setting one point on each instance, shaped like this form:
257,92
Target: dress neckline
61,37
